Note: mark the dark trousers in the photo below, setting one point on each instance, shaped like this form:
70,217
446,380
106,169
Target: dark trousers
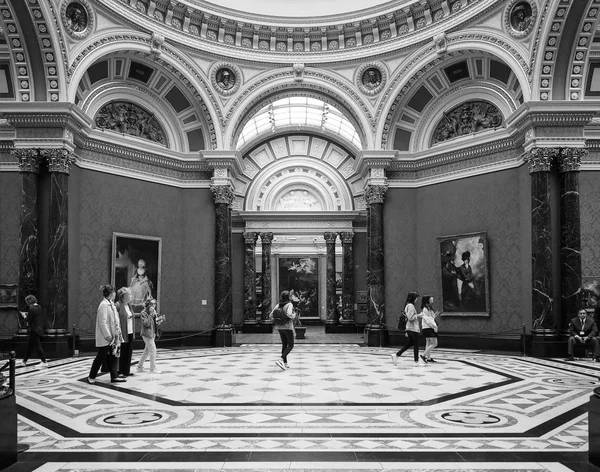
287,342
413,340
125,359
35,347
104,355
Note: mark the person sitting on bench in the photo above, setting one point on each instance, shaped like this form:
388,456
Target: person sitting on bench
583,330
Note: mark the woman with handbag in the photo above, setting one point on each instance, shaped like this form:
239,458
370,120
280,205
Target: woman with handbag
285,326
150,322
108,336
412,328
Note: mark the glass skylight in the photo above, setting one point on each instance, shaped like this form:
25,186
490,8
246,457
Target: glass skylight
299,111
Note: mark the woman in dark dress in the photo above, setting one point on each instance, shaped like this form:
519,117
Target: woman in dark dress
35,326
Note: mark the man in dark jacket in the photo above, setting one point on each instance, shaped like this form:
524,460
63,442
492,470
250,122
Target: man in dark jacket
583,330
35,323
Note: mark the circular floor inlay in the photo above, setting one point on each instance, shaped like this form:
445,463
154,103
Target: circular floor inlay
476,418
132,418
570,382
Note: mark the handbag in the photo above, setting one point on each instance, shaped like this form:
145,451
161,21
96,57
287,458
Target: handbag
402,319
115,350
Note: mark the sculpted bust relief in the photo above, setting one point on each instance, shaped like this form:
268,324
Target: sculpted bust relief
76,17
225,78
521,16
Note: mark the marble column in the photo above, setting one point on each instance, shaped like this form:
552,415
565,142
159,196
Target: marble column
347,277
330,295
59,163
29,166
374,196
266,239
250,277
223,196
540,162
569,162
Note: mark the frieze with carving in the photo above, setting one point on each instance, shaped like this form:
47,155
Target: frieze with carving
467,118
128,118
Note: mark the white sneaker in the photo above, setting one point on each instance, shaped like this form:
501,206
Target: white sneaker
280,364
141,369
394,358
155,371
43,365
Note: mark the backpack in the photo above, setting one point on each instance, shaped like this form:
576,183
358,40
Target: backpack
279,316
402,319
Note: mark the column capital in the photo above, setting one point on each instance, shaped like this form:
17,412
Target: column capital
250,237
569,159
222,193
58,160
371,165
347,237
29,159
541,159
330,237
375,194
226,165
266,238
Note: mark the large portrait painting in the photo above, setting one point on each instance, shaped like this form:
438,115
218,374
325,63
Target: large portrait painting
300,275
464,274
136,262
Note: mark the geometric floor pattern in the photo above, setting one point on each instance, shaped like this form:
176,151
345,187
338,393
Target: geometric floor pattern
338,407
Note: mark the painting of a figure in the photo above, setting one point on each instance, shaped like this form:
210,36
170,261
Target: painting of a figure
136,264
464,274
300,275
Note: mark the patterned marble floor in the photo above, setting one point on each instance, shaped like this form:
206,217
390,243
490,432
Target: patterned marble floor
338,407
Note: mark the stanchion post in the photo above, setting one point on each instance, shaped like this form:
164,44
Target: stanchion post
524,343
12,369
75,351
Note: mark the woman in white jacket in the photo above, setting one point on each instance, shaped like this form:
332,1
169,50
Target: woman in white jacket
412,328
430,327
108,334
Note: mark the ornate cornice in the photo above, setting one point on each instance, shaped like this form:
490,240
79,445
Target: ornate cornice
375,31
570,159
222,194
541,159
375,194
58,160
29,159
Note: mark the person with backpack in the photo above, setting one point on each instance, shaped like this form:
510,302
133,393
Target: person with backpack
412,328
283,319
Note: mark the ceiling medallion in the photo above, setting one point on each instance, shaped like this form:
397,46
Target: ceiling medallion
371,78
226,78
78,18
519,17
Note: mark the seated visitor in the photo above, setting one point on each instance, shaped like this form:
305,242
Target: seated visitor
583,330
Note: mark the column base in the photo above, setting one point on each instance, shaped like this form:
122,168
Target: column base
222,337
548,343
375,336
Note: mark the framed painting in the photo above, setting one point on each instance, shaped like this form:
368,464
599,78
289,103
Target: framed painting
136,263
464,274
301,275
9,296
590,292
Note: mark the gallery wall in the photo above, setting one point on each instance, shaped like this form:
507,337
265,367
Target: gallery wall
10,210
494,203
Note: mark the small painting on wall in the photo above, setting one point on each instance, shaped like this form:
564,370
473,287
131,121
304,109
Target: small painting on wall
8,296
136,262
464,274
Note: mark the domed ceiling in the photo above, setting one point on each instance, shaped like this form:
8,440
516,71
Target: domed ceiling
299,8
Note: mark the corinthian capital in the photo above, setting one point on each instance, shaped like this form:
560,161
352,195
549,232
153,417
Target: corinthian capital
58,160
570,159
266,238
375,194
29,159
222,194
541,159
330,237
347,237
250,237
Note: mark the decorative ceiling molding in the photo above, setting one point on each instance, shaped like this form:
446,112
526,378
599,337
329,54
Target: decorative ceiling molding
300,40
54,88
97,46
273,92
20,56
406,78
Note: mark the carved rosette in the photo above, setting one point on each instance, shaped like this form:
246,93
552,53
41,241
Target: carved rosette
58,160
375,194
29,159
78,18
569,159
222,194
540,159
